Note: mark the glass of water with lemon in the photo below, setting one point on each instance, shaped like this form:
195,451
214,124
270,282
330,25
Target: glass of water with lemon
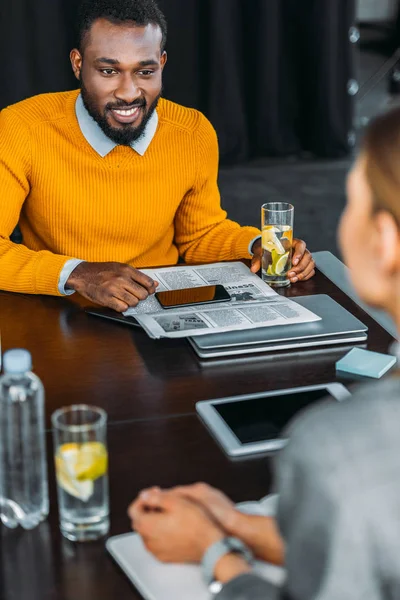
81,462
277,241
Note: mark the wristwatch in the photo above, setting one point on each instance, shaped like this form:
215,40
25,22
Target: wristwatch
217,551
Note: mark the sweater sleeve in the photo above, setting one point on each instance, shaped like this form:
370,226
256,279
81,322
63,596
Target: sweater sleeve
21,269
202,231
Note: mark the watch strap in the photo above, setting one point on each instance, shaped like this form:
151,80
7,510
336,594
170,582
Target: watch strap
218,550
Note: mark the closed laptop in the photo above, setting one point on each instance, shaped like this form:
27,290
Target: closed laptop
337,326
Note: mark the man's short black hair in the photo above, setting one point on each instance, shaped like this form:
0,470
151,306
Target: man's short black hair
141,12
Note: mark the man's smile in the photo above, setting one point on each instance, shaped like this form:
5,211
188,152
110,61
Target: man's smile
126,115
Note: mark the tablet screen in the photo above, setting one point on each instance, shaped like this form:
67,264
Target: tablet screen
258,419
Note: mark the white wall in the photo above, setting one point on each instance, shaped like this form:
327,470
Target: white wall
376,10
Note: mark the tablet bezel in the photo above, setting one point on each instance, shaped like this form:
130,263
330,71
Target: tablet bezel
228,440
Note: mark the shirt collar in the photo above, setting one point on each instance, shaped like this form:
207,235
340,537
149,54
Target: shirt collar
101,143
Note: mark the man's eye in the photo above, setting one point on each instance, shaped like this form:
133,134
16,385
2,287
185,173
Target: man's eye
146,73
107,71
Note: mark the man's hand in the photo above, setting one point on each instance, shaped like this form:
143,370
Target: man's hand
303,265
172,528
112,284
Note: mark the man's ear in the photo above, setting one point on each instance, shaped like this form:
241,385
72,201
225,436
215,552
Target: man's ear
388,243
76,63
163,59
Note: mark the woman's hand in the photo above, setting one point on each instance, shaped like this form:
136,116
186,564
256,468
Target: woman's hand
173,528
261,534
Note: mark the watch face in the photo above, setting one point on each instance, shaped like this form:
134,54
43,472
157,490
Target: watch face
215,587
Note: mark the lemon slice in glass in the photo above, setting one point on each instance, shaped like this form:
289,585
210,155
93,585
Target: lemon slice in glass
78,466
92,461
270,240
281,264
65,461
287,233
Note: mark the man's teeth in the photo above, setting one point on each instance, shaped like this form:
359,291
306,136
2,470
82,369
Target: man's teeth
126,113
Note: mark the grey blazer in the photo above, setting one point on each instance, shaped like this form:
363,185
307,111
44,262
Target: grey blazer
339,508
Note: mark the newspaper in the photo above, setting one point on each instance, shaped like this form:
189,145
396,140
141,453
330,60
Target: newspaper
253,303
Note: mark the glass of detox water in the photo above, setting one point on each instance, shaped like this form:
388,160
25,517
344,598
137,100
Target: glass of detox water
277,240
81,461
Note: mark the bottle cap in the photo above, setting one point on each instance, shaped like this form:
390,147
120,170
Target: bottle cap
17,361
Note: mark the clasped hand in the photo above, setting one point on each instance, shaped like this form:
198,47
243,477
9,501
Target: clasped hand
178,525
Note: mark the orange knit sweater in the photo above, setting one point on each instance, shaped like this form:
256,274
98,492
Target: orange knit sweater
71,203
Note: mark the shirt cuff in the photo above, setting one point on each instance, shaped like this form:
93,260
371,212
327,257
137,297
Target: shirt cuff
253,241
67,269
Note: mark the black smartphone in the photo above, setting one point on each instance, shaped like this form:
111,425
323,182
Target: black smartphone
198,295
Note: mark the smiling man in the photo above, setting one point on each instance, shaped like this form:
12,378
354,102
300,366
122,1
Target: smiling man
111,178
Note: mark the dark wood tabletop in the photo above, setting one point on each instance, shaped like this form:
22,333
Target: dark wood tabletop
82,358
149,389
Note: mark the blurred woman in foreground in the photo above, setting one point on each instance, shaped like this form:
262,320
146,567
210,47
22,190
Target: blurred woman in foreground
338,524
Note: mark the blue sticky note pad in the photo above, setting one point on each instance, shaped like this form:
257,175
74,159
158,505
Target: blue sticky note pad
366,363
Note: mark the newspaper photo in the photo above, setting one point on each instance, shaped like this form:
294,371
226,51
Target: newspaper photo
253,303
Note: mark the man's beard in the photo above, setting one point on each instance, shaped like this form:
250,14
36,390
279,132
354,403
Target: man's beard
126,134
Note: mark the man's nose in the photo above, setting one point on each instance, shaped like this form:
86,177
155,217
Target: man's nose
127,91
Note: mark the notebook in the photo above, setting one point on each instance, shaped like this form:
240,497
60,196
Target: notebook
366,363
159,581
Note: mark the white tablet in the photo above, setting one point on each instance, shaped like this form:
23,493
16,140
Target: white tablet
253,423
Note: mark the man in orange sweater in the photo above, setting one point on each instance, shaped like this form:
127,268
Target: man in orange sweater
111,178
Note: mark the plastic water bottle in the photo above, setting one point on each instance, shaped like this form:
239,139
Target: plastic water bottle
24,497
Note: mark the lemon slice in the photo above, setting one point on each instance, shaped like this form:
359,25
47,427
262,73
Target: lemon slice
92,461
270,241
78,466
287,234
281,264
65,462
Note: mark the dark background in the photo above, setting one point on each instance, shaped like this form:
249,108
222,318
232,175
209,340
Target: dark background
271,75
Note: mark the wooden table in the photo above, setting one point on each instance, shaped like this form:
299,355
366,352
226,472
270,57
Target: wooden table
149,390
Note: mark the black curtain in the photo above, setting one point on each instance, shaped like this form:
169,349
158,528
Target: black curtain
271,75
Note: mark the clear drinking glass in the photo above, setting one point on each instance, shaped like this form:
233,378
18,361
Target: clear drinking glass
81,461
277,241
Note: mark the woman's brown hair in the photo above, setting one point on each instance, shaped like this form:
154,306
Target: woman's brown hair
382,152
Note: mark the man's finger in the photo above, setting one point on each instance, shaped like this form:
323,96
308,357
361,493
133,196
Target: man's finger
299,248
144,280
126,297
127,291
134,289
311,274
302,265
255,264
306,274
115,304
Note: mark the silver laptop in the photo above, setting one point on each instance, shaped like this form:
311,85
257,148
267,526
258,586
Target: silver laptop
337,326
